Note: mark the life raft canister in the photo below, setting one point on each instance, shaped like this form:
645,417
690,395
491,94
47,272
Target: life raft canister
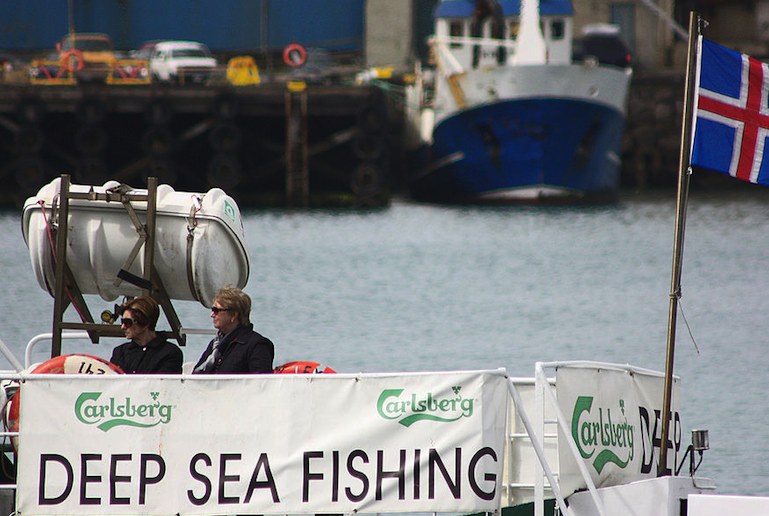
63,364
302,367
294,55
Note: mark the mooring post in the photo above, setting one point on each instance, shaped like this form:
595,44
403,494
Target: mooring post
297,173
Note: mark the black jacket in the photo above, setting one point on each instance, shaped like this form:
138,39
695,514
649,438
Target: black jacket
243,351
158,356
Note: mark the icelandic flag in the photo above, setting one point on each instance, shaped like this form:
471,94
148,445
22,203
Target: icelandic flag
731,117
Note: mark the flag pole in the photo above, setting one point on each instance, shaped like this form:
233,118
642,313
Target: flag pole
678,245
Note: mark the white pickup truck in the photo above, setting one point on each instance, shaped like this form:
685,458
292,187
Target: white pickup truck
182,62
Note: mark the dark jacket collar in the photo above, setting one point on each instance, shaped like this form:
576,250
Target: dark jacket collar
236,335
154,343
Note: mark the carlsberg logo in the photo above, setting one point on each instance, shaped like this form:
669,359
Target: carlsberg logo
598,430
409,408
112,412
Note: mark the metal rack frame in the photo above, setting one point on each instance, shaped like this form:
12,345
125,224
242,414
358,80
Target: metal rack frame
66,290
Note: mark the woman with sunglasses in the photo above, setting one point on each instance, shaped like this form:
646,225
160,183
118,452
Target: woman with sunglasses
146,352
237,348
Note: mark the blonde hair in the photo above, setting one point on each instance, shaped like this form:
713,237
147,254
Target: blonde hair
235,300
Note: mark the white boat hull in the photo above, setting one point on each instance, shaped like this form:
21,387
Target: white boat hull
101,237
586,82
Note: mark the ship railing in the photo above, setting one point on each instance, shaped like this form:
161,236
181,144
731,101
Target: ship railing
458,41
537,395
447,62
443,46
82,335
9,380
527,433
546,413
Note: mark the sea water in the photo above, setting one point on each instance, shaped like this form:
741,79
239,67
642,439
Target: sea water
415,287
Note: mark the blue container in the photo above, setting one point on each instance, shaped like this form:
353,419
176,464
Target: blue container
224,25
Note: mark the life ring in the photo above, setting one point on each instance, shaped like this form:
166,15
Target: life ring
302,367
72,60
77,364
295,55
63,364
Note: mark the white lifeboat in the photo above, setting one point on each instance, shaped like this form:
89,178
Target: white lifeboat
101,238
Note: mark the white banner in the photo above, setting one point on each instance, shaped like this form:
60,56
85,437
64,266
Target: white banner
615,420
272,444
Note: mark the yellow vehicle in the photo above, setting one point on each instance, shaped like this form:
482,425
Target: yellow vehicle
90,56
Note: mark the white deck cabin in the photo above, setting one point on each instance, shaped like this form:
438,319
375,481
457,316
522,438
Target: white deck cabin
455,23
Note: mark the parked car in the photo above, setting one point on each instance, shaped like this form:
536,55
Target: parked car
89,55
321,67
182,62
145,50
602,42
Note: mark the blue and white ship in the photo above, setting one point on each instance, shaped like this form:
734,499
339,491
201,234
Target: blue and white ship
510,118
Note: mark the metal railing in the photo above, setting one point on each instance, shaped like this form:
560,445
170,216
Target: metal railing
545,401
544,404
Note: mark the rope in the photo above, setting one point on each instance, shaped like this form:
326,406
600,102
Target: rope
688,328
192,223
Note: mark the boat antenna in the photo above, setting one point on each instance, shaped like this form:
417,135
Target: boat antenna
684,173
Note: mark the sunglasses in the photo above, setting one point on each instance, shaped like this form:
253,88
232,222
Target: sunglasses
127,322
216,309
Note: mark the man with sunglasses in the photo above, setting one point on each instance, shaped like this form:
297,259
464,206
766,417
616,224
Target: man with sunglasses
146,352
237,348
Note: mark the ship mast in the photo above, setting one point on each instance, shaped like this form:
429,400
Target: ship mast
684,173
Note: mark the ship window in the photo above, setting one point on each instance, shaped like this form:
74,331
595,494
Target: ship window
456,30
514,28
557,29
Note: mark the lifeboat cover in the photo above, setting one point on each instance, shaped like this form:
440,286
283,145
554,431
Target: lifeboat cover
101,237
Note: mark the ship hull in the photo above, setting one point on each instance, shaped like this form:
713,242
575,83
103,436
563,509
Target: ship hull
524,150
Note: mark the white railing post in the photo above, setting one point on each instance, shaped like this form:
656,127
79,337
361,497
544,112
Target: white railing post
11,357
541,377
539,450
539,429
